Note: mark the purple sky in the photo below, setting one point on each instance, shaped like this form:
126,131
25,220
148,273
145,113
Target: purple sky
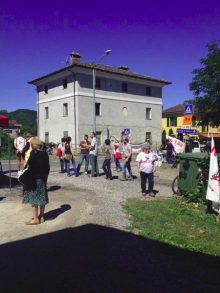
157,38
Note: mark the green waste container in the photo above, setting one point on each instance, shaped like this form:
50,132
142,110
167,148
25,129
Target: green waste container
189,170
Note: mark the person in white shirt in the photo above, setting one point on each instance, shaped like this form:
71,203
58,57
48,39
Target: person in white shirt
146,167
93,152
19,144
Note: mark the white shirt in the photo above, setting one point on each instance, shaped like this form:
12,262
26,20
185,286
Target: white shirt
94,145
20,143
146,162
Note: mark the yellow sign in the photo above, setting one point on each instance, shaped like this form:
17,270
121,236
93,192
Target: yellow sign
187,120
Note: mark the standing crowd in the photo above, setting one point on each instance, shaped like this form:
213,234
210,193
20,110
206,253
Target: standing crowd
31,150
120,151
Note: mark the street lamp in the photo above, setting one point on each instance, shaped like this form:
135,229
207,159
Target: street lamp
107,52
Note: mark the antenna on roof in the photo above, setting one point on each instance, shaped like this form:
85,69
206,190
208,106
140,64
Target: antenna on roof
66,62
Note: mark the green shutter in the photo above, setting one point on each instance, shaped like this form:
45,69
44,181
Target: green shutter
175,121
168,121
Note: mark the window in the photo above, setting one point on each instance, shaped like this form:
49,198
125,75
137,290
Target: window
65,110
65,134
98,109
46,109
64,83
148,137
46,89
148,113
171,121
98,83
46,137
148,91
124,87
99,137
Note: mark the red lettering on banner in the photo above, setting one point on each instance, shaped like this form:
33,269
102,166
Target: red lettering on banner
213,150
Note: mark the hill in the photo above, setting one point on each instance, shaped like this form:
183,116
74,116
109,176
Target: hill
26,117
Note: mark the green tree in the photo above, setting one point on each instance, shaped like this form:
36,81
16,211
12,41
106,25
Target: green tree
164,136
206,87
170,132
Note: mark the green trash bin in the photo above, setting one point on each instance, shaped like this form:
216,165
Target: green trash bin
189,170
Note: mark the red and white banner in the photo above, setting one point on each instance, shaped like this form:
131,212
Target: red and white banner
179,146
213,189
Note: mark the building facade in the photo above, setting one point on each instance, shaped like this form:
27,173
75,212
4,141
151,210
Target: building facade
123,99
172,119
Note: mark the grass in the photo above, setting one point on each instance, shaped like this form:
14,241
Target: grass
177,223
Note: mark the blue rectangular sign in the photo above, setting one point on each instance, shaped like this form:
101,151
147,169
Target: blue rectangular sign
188,109
186,131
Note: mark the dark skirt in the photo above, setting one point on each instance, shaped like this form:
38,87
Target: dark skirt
38,196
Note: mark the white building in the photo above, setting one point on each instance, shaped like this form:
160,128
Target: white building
123,99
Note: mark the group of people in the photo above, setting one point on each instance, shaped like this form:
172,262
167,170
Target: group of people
36,170
36,163
89,154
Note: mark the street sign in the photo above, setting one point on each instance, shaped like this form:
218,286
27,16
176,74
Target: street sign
186,131
186,126
187,120
126,131
188,109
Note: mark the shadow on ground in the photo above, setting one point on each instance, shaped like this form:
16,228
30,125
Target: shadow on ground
51,215
5,181
53,188
93,258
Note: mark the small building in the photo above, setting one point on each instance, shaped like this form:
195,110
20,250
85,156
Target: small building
123,99
173,119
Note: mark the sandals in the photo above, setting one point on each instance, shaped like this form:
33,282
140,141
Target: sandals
32,223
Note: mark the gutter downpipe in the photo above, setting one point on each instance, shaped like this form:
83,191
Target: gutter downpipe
38,108
74,102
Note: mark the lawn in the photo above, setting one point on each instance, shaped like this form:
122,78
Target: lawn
175,222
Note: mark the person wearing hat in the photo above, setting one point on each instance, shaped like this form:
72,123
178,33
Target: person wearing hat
146,167
38,163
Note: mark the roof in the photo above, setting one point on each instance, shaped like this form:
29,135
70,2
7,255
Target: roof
174,111
103,68
177,110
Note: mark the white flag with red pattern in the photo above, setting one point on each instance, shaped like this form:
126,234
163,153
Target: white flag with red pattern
213,189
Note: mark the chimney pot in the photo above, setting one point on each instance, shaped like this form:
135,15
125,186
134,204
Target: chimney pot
74,58
123,67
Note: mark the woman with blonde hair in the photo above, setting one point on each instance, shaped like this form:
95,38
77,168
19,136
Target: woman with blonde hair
38,164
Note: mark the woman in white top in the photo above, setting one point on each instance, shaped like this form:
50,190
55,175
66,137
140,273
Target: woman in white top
146,167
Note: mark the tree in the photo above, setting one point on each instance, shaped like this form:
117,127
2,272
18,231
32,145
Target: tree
206,87
170,132
164,137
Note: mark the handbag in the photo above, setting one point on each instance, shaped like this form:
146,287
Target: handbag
27,179
59,153
68,157
118,156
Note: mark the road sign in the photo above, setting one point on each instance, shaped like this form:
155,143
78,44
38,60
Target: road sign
186,126
187,120
188,109
186,131
126,131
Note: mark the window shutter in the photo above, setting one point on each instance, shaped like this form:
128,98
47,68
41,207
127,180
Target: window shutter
168,121
175,121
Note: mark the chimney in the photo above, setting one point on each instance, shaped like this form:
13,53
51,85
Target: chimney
74,58
123,67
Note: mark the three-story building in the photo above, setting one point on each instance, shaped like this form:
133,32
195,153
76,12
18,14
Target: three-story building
123,99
